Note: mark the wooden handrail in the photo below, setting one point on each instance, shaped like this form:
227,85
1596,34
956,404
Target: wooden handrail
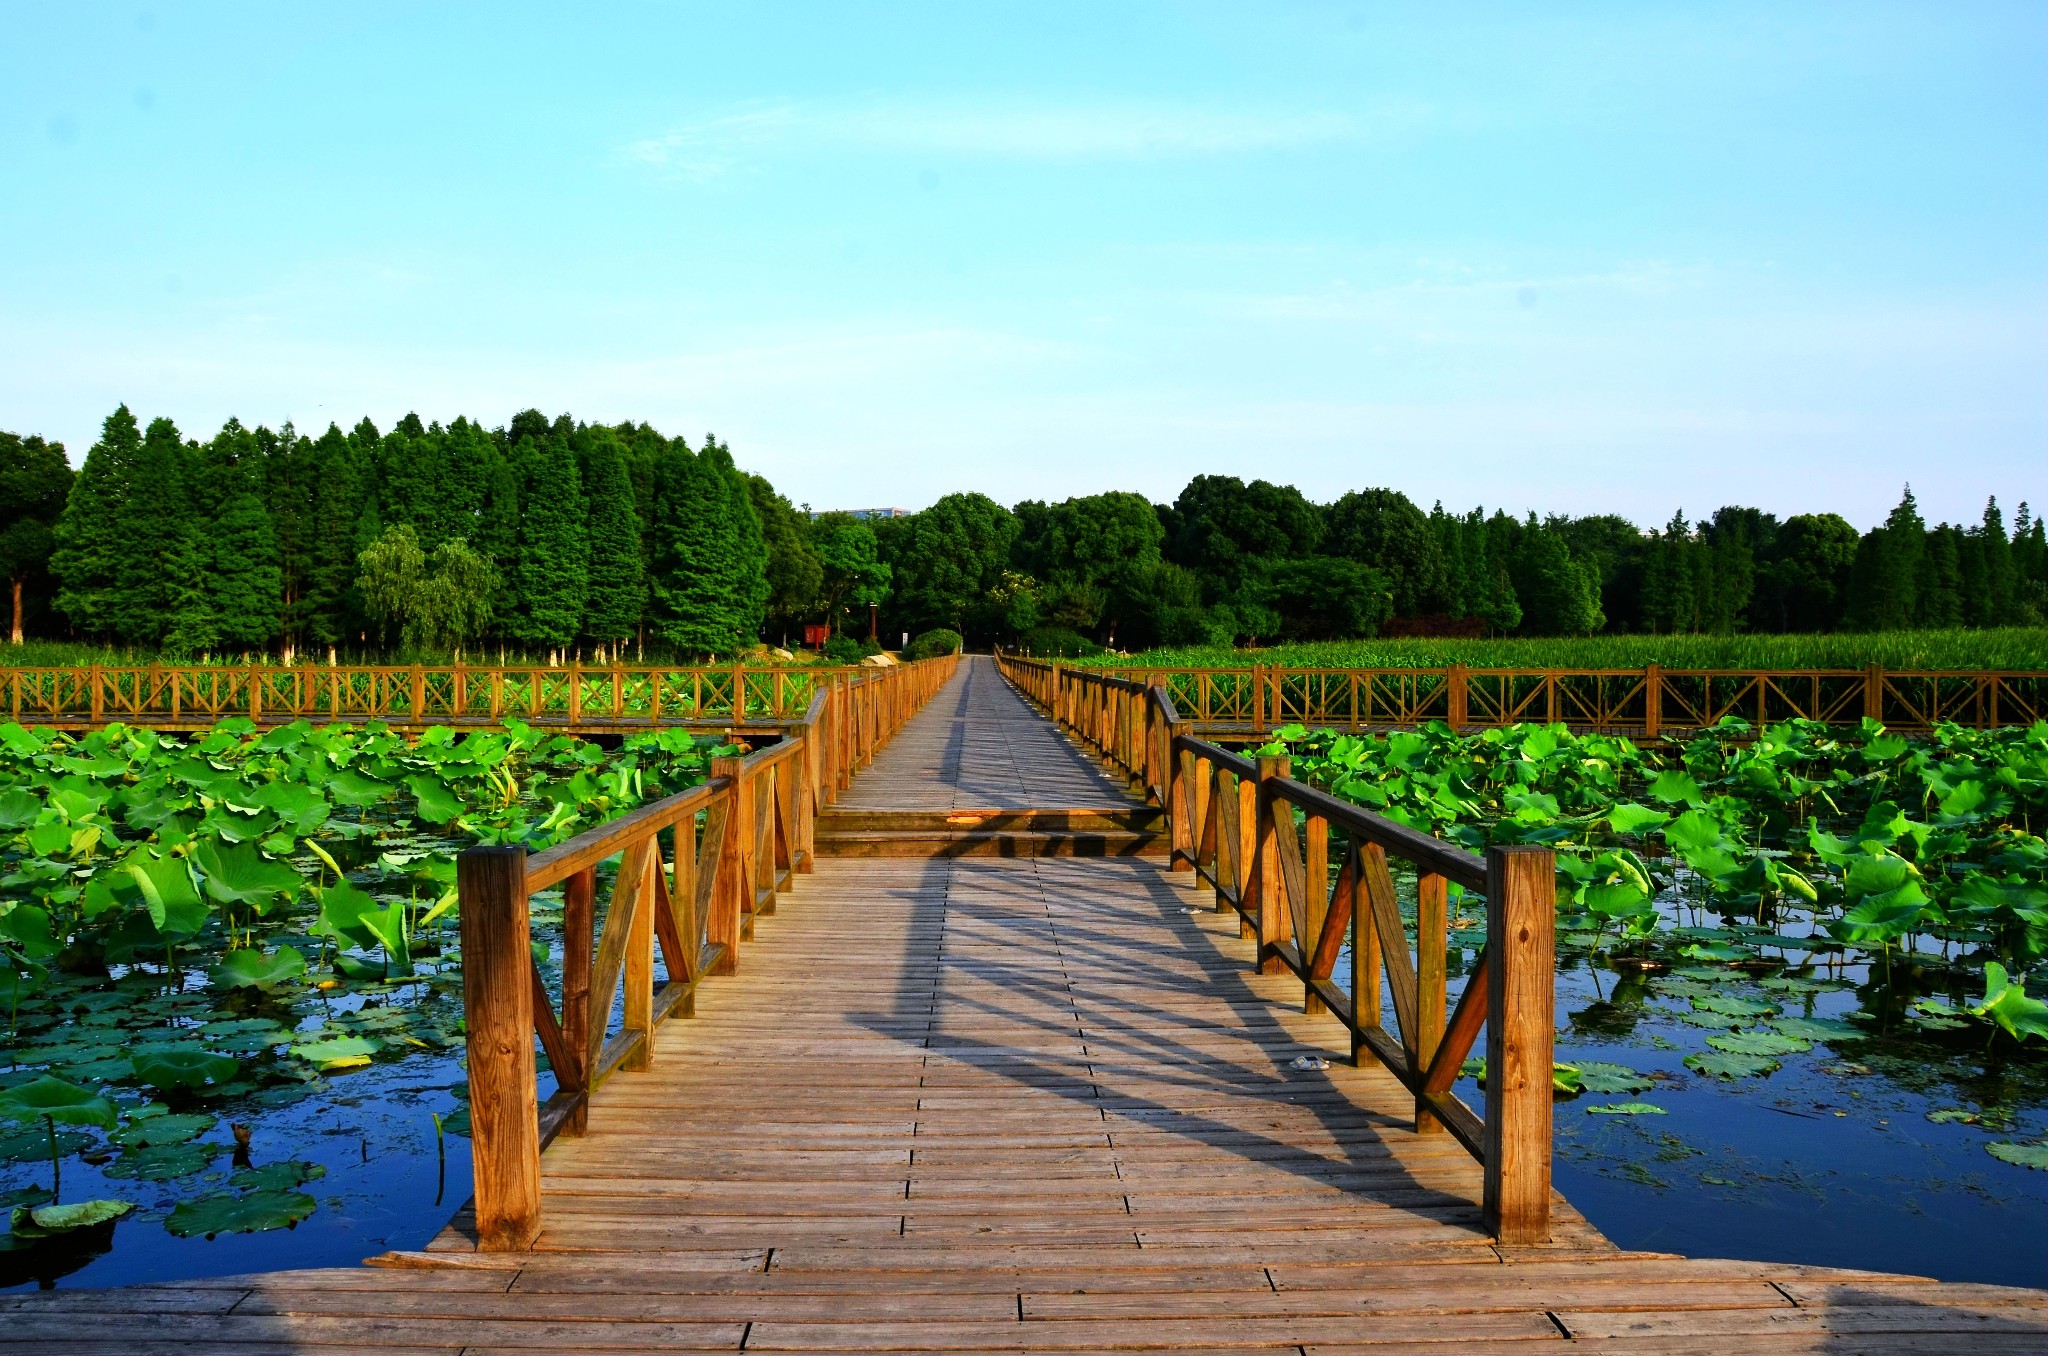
732,844
614,697
1650,701
1264,843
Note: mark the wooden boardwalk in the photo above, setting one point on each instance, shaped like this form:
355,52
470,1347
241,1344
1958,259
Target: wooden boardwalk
1017,1105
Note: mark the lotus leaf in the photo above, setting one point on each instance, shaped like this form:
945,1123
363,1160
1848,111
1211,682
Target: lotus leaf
2024,1155
1609,1079
224,1212
277,1176
163,1162
239,874
187,1068
174,1128
342,1051
56,1219
352,788
1817,1028
59,1101
1632,819
1723,1064
2006,1003
437,804
1735,1007
253,969
1625,1109
1759,1043
1676,788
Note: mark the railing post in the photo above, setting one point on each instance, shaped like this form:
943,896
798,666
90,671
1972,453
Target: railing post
1432,928
1521,917
1266,865
497,1003
1459,689
730,896
637,1007
575,694
419,694
579,905
1873,693
1653,701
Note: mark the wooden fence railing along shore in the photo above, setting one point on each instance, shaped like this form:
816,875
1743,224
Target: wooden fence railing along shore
694,871
577,698
1266,844
1648,701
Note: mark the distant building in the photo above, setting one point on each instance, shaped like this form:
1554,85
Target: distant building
864,514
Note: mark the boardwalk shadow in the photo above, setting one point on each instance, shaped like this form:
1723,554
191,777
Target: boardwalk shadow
1217,1080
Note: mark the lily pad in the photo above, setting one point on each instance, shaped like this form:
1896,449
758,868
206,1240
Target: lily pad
1759,1043
55,1219
277,1176
1609,1079
255,970
1625,1109
163,1162
1817,1028
194,1069
1735,1007
2025,1155
342,1052
62,1102
1723,1064
156,1130
225,1212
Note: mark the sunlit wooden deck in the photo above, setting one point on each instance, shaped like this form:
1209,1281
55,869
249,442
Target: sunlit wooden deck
1039,1105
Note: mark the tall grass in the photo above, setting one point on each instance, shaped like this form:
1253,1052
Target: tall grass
2007,648
52,654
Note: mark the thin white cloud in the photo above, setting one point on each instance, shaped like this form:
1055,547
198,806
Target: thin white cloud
709,147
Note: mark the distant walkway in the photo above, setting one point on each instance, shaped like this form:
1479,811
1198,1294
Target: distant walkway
980,746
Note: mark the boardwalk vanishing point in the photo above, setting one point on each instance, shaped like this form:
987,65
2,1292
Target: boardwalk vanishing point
993,1078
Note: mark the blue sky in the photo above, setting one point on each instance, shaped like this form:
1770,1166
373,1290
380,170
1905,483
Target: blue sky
1581,258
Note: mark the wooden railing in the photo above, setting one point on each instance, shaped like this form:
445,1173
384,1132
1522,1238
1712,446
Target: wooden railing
573,696
694,872
1266,844
1648,701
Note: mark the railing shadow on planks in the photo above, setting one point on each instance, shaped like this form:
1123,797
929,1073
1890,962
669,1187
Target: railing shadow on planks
1266,843
1649,701
694,871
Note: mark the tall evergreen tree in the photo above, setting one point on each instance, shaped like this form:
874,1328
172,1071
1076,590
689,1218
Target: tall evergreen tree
1998,572
1884,582
708,589
554,547
1938,591
794,571
245,585
35,481
87,559
618,583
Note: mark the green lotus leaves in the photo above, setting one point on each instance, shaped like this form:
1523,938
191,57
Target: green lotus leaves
239,874
250,969
163,1162
1725,1064
437,804
277,1176
1818,1028
1735,1007
1609,1079
45,1220
2006,1003
1766,1043
1625,1109
58,1101
2020,1155
225,1212
190,1070
174,1128
342,1052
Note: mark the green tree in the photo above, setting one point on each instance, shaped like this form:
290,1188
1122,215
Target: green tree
1384,529
1884,581
618,581
709,587
1939,588
87,560
244,585
442,601
795,574
1560,596
35,481
1804,586
851,575
1094,557
554,546
947,565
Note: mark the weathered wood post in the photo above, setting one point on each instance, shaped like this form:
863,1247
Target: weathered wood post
1432,926
1266,865
1521,919
1315,861
723,926
637,1009
1365,960
1653,701
1181,814
497,1004
579,899
1458,688
1873,692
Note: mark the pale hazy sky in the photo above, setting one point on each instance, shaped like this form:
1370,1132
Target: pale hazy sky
1620,257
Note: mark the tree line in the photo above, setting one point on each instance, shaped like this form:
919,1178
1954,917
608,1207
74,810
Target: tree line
558,538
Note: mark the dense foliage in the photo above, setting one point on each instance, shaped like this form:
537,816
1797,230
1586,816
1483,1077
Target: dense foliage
597,537
203,930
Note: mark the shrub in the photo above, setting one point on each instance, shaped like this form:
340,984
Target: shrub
844,650
932,644
1057,642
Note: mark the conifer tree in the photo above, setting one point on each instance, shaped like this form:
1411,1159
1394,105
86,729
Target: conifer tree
708,590
244,589
1887,572
1998,572
554,548
340,473
618,583
87,557
1938,590
35,481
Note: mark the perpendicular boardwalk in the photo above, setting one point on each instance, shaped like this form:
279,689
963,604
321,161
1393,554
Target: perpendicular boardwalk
1018,1104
